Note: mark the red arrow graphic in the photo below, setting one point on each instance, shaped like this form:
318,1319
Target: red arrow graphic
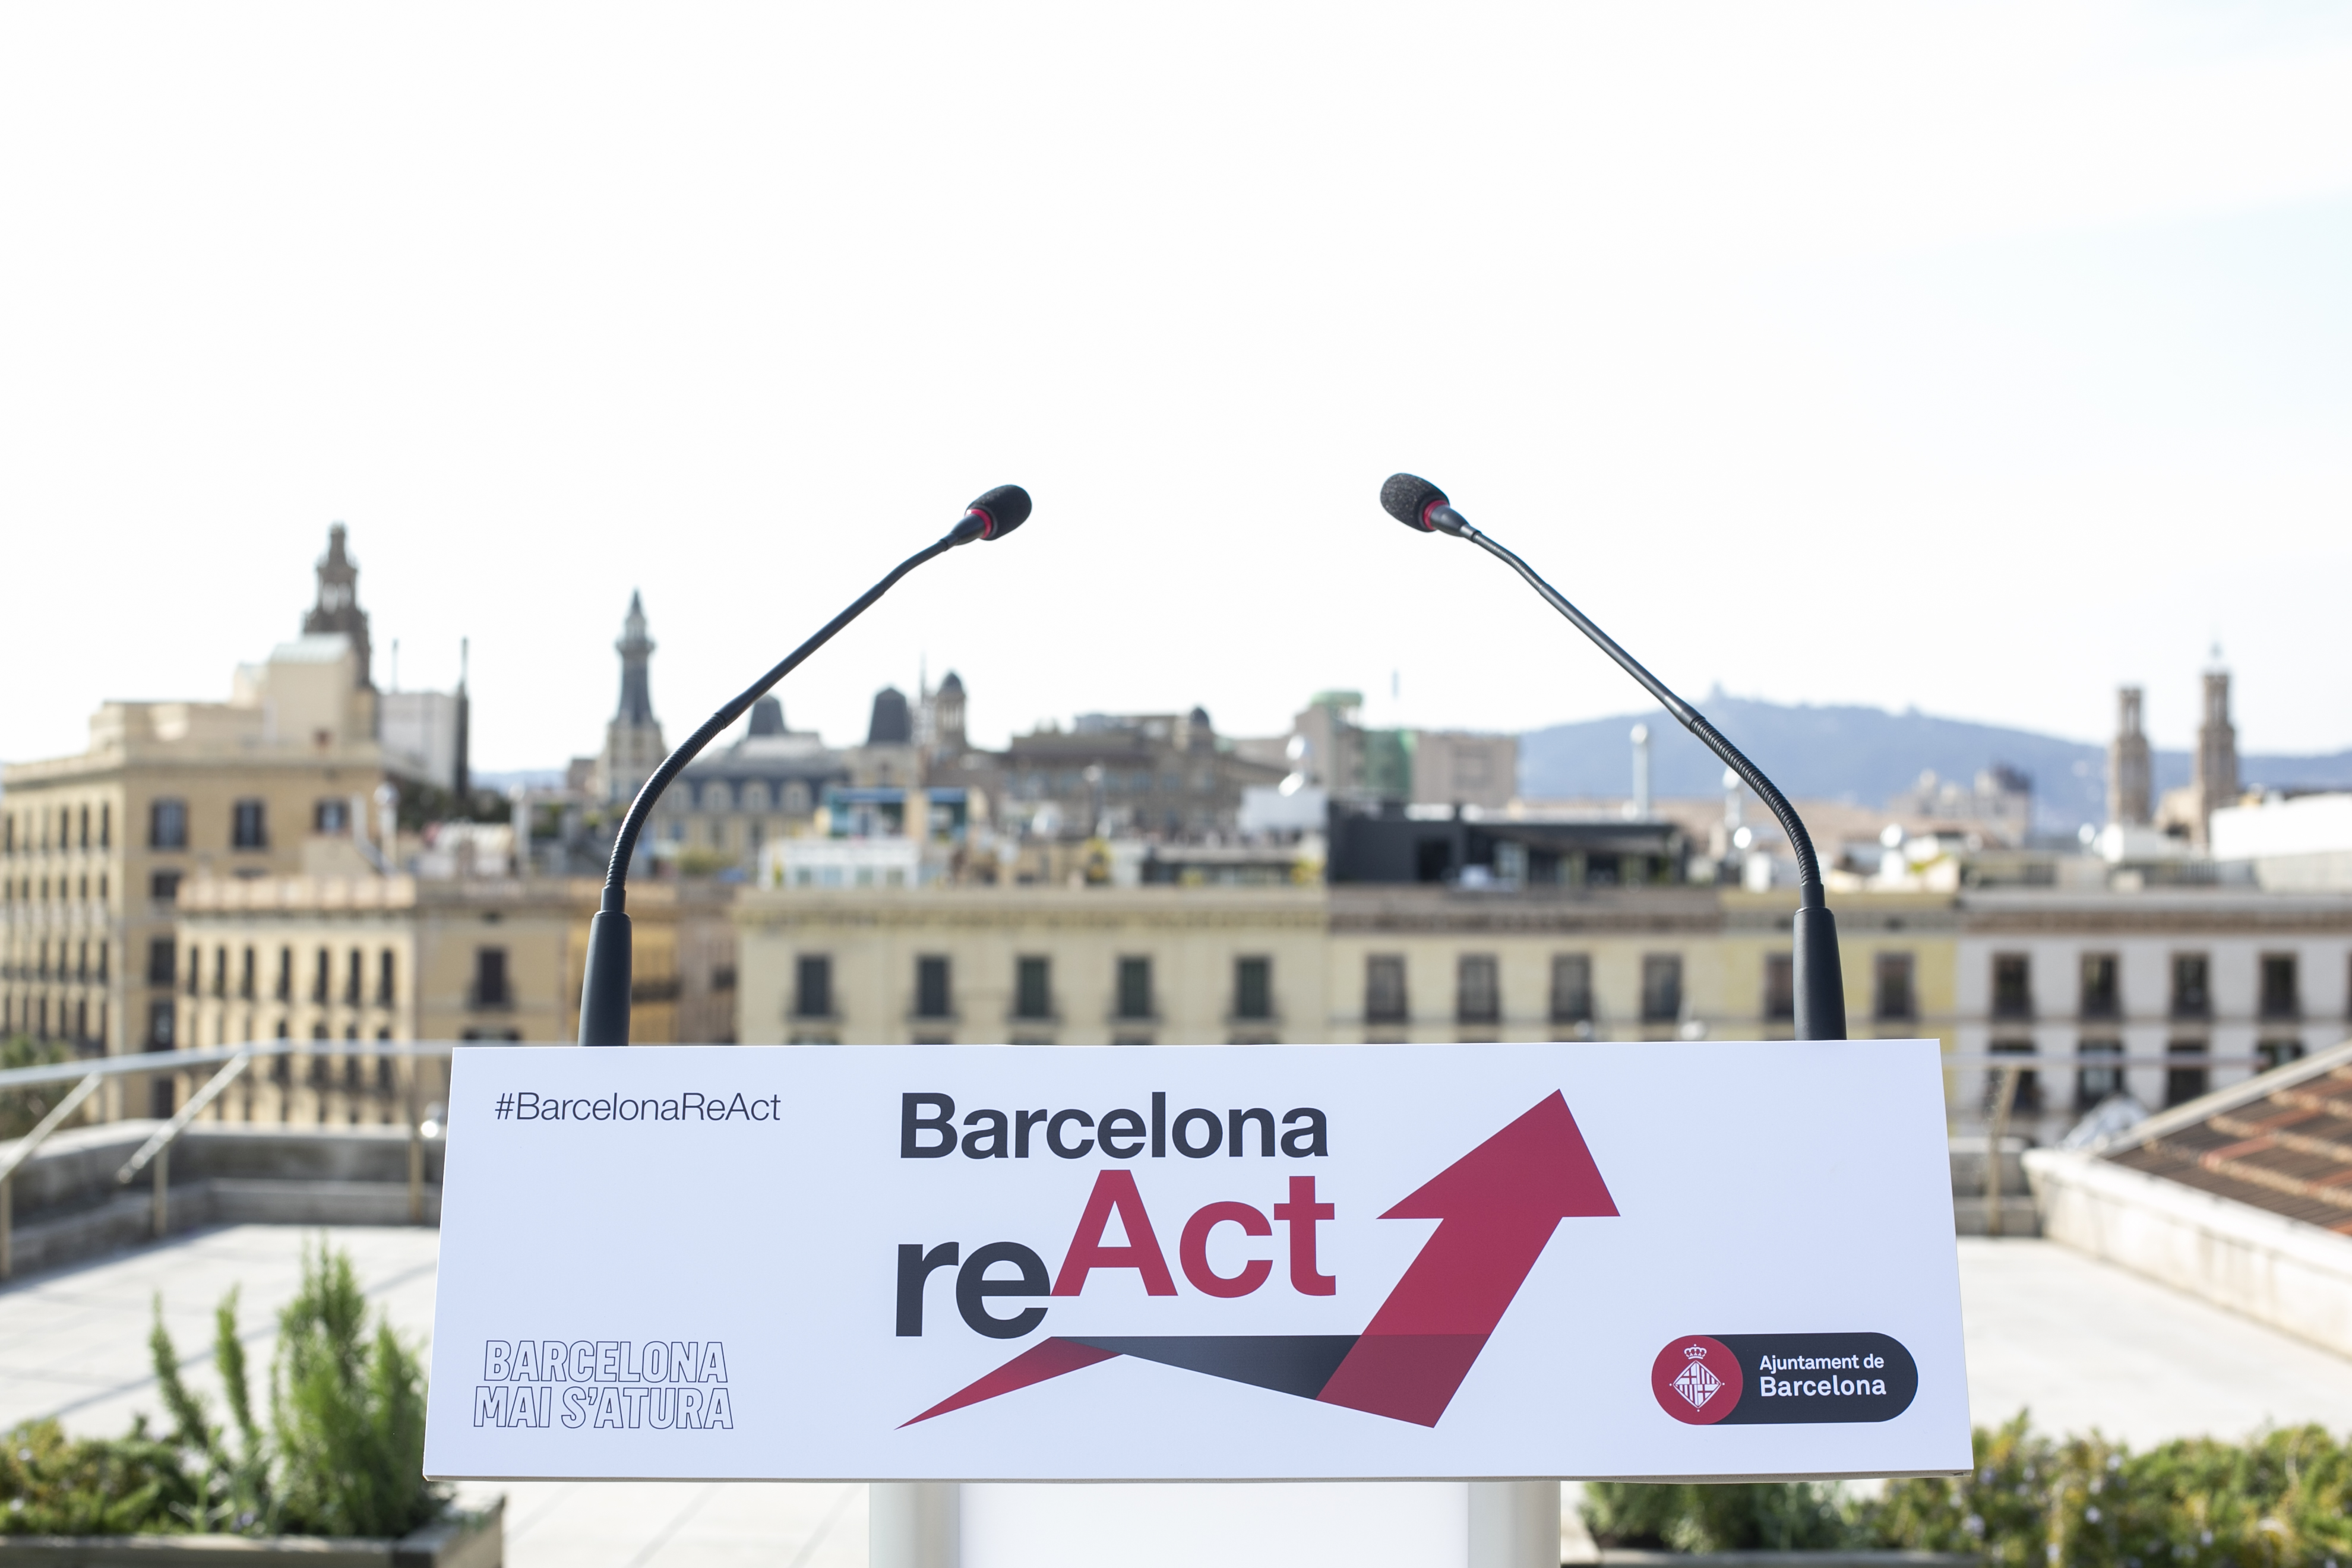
1495,1209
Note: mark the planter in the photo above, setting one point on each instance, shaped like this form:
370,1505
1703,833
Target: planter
466,1541
1628,1556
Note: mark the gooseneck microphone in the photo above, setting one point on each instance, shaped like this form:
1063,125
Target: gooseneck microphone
1818,978
605,992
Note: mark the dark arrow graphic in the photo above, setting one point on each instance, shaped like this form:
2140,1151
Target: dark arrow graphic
1495,1209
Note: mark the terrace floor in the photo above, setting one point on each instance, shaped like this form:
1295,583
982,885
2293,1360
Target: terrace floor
2081,1342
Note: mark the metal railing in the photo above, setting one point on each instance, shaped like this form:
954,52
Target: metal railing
155,1155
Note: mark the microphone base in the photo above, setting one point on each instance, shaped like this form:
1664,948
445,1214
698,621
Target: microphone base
604,993
1820,978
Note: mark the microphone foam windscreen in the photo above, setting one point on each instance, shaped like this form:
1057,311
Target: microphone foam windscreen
1407,497
1006,508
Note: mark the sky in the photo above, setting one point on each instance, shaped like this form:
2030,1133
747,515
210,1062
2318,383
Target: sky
1972,358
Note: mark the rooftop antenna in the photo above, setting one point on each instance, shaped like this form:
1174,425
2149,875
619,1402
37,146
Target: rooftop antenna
1641,773
461,771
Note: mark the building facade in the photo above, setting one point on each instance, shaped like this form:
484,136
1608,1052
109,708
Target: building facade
1133,774
730,802
95,848
1031,965
2198,983
346,962
1238,964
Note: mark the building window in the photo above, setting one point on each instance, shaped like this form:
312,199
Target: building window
2026,1098
813,986
1033,988
2183,1084
2094,1084
163,886
331,816
355,977
2012,985
1135,988
322,978
160,1015
245,974
106,826
1661,987
384,971
1478,990
2102,994
934,987
167,824
1780,988
1384,998
2281,996
163,961
1571,988
248,826
1253,988
2278,1053
491,988
2192,997
284,990
1892,974
196,970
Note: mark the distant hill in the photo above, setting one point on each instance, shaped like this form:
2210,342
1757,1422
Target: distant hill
1859,754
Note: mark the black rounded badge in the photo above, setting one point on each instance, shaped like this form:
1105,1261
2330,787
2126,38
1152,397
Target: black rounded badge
1743,1379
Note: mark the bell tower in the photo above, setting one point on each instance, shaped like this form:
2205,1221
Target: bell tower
633,741
2216,782
338,609
2129,772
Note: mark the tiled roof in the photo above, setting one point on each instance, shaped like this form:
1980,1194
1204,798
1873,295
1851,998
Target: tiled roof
2282,1142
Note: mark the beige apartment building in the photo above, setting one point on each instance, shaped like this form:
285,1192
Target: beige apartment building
1044,965
94,848
1179,965
346,960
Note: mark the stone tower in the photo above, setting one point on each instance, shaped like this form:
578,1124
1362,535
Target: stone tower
633,741
338,609
946,715
2130,777
2216,780
892,722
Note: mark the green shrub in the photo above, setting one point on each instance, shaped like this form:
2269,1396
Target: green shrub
2278,1500
230,1492
57,1485
21,1109
343,1456
2282,1500
1741,1516
348,1410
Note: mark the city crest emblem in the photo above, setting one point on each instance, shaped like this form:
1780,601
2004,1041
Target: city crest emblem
1695,1383
1698,1380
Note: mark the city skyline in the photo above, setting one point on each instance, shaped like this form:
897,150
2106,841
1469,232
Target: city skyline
1379,708
2006,344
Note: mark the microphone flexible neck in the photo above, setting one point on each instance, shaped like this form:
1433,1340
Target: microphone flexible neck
624,843
1809,894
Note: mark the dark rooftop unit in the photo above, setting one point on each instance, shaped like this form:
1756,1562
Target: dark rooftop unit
1392,845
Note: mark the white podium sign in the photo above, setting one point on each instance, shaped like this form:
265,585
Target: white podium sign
1712,1259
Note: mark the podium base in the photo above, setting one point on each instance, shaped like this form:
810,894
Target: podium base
1366,1525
